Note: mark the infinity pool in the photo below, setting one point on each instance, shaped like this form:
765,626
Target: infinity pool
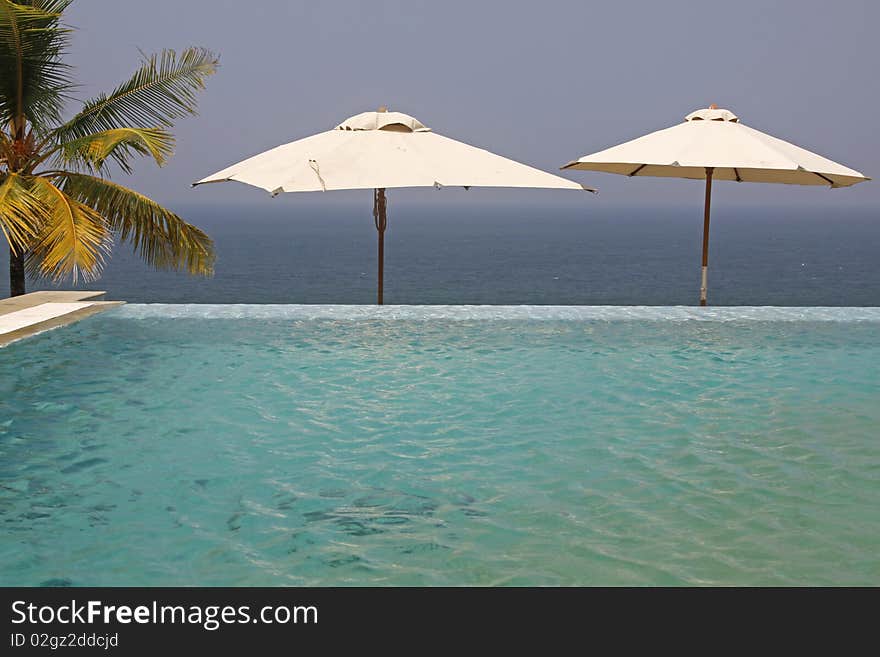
331,445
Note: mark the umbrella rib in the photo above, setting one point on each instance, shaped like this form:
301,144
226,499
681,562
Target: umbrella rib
825,178
210,182
778,146
638,168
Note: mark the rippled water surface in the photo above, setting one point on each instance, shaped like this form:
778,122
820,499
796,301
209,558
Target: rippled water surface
184,446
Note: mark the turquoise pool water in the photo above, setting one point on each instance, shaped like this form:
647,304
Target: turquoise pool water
293,445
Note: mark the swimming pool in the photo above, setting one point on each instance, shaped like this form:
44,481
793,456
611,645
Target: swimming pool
336,445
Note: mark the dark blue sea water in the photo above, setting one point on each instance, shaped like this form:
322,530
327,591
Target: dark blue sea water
283,252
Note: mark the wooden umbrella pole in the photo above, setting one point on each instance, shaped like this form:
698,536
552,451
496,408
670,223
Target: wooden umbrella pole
704,284
381,220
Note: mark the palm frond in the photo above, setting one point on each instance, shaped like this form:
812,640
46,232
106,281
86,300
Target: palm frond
158,235
51,6
21,211
161,90
35,80
5,145
120,144
73,241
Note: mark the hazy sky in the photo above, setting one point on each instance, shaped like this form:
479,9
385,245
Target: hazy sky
541,82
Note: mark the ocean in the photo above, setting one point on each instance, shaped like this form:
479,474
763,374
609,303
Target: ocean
290,251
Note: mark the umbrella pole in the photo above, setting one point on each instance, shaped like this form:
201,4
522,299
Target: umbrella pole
381,220
703,285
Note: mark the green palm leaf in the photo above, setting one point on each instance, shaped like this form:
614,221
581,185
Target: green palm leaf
50,6
159,236
120,144
34,80
161,90
63,221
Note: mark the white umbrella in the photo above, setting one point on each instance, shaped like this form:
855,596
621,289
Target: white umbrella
378,150
713,144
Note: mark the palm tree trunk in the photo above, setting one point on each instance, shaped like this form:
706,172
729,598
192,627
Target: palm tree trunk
16,273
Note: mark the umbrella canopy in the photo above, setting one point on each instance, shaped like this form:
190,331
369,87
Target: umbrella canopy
378,150
713,144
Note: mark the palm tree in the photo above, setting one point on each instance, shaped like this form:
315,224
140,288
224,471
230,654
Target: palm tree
59,211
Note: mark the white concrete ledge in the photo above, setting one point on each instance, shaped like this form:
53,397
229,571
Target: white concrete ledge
29,314
19,319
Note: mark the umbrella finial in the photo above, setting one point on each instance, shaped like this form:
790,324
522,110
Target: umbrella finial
382,108
713,106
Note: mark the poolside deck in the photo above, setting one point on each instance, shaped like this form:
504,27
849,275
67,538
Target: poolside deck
36,312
